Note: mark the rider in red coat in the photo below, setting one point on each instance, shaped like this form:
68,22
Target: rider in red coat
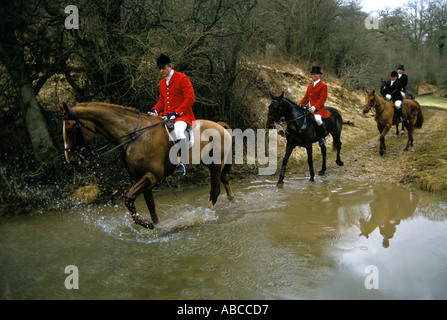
176,96
316,94
175,102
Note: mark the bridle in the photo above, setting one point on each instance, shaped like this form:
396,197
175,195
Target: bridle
281,112
375,105
79,136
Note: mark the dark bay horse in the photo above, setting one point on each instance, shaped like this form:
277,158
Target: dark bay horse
145,145
301,131
386,117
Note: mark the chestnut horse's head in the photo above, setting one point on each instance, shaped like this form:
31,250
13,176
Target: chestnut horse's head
77,134
370,101
275,110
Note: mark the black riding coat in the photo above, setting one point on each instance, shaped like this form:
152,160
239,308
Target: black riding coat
403,81
394,90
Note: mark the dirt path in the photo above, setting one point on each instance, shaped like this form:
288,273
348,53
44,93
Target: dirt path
363,162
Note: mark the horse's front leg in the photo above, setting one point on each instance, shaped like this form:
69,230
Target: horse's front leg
142,186
383,133
310,162
289,149
323,154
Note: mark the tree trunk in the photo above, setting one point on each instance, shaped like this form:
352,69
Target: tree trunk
12,56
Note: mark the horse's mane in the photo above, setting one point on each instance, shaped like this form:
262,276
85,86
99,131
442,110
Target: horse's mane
293,104
108,105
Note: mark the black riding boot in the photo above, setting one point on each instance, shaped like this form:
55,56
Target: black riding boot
322,133
399,113
181,168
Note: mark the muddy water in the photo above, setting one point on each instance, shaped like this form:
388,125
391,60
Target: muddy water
329,239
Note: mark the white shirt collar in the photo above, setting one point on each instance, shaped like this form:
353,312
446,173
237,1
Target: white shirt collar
315,83
168,78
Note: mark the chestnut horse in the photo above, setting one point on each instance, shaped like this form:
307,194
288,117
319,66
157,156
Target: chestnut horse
301,131
386,117
145,145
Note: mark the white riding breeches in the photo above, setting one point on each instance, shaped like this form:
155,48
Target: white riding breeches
179,129
318,119
398,104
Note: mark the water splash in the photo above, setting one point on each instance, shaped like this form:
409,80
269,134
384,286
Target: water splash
117,222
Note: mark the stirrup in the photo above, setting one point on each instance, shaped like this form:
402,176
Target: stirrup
180,170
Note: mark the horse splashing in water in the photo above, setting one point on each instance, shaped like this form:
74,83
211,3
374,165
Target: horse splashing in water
301,131
385,116
145,145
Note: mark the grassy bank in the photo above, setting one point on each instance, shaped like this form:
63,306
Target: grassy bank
430,161
432,101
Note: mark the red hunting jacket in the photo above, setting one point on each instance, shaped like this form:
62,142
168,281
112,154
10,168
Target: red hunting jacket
178,97
317,96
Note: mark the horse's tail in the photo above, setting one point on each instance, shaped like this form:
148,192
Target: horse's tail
337,128
420,116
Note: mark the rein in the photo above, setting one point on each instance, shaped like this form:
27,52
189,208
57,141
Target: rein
302,116
305,113
132,135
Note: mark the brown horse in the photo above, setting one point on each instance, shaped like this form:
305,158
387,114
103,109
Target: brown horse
145,144
386,117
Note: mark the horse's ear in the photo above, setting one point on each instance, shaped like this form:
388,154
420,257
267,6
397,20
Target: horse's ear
374,92
281,96
65,110
271,95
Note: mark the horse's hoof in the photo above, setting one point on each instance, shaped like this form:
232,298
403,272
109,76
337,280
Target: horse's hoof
321,173
280,184
312,179
339,162
150,225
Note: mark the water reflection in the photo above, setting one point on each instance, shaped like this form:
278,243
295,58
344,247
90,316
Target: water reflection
304,241
390,206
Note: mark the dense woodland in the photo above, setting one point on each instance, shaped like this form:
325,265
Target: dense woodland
110,56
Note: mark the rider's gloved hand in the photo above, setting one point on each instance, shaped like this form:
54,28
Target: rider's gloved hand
312,109
152,112
172,115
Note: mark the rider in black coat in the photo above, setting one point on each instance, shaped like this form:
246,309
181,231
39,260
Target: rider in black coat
403,78
392,91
